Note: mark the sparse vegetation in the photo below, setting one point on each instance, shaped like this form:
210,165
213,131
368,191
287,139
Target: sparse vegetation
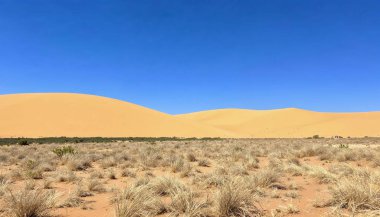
186,177
62,151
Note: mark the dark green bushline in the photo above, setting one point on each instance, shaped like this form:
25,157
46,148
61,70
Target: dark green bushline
62,140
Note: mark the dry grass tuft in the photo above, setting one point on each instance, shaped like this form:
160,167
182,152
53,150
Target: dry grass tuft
360,191
235,199
184,201
30,203
138,201
266,178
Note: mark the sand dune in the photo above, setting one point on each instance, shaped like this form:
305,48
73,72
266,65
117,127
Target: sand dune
60,114
51,115
289,123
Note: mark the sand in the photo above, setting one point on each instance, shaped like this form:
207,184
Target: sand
64,114
60,114
290,122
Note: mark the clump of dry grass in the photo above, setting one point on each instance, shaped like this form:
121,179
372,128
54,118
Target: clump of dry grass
341,169
66,176
360,191
94,185
211,179
204,163
72,201
34,174
292,194
96,175
186,171
137,201
376,160
184,201
266,178
191,157
111,174
178,165
252,163
30,203
234,198
322,175
78,164
47,183
128,173
3,184
347,155
164,185
108,162
289,209
81,192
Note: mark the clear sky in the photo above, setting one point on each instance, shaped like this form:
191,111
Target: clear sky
181,56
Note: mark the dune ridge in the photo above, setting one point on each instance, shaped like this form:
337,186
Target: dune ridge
63,114
81,115
289,122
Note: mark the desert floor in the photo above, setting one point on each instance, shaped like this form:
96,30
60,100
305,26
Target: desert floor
229,177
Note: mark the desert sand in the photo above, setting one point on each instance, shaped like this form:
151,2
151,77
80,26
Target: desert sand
289,122
64,114
60,114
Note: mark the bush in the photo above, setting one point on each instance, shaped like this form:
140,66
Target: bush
137,202
23,142
184,202
343,146
234,198
60,152
359,191
31,203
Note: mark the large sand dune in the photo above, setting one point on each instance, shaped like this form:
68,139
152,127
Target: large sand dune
289,122
59,114
53,115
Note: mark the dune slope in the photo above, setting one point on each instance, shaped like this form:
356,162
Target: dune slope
62,114
289,123
59,114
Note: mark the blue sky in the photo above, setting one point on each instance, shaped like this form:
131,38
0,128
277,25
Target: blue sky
182,56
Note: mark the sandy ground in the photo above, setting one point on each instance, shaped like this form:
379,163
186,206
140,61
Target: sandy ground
294,161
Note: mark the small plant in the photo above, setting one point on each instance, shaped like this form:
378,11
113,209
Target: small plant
65,150
95,186
128,173
235,199
204,163
137,201
191,157
23,142
184,202
345,146
359,191
31,203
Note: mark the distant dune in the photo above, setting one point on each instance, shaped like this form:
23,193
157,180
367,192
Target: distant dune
61,114
52,115
289,123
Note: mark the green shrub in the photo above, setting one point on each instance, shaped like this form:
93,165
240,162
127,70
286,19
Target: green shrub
61,151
